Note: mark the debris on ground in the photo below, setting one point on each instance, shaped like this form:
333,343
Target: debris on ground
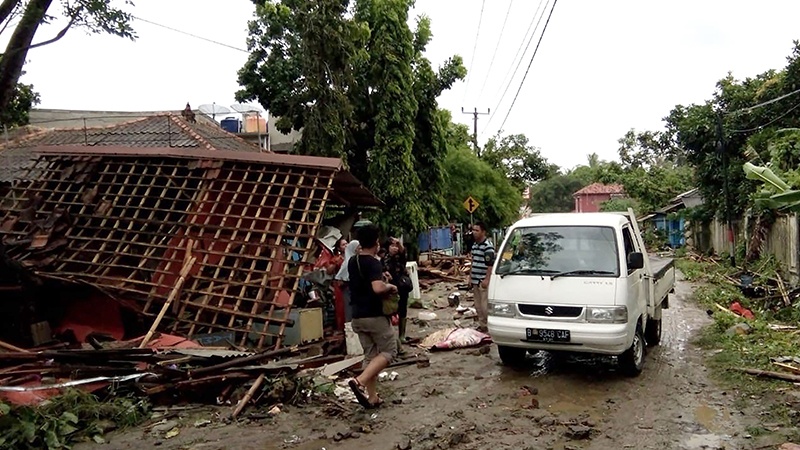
452,338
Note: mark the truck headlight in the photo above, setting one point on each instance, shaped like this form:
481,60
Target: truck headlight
501,309
614,314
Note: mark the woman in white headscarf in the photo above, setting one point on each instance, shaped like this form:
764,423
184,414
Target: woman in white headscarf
342,278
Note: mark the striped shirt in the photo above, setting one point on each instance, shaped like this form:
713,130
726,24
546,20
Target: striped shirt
483,255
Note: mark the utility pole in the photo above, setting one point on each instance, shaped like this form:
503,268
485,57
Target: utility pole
726,190
475,115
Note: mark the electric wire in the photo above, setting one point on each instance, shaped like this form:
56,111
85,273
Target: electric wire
768,102
536,50
474,50
760,127
496,48
191,35
516,69
519,49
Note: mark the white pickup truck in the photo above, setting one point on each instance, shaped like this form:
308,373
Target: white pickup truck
578,282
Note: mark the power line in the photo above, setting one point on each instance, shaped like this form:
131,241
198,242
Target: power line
496,47
519,49
474,50
768,102
192,35
536,50
760,127
516,69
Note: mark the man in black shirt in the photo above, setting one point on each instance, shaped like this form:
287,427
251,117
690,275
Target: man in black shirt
374,329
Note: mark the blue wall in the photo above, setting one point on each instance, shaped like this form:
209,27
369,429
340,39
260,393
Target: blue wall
435,239
674,229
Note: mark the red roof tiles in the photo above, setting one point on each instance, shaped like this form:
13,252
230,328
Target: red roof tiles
600,188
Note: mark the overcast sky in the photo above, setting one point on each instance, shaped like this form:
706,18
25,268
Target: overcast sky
603,66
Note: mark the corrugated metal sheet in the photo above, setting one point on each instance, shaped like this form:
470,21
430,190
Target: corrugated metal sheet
210,353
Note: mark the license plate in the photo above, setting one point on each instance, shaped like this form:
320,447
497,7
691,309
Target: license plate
540,335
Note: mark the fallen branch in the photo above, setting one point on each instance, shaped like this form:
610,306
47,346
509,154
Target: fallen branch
789,367
773,375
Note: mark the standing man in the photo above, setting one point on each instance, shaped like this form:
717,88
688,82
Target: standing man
483,255
374,329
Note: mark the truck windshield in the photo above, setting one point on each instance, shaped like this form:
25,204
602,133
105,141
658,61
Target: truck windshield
588,251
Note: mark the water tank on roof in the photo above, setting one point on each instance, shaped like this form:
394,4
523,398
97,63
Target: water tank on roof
255,124
231,125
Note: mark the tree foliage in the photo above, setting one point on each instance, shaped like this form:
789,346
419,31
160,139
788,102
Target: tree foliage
468,175
354,79
93,16
748,133
516,158
391,166
18,111
555,193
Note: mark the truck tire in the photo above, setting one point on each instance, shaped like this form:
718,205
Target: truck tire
511,356
652,334
632,361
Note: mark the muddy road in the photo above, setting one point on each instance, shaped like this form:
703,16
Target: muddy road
467,400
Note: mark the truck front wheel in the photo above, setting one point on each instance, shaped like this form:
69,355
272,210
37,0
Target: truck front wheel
511,356
632,361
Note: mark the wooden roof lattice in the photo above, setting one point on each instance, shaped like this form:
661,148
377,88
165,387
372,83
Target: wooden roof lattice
122,220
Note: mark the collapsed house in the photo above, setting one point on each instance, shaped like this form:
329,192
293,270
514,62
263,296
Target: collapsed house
160,211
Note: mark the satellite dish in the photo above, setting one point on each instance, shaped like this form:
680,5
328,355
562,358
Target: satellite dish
241,108
213,109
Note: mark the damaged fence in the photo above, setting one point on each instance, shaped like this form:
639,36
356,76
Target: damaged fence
131,221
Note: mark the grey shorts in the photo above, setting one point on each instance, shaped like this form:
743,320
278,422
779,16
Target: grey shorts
377,337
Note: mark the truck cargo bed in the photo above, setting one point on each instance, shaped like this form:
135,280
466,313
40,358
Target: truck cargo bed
663,270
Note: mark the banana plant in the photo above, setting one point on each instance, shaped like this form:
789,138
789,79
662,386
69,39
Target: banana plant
777,194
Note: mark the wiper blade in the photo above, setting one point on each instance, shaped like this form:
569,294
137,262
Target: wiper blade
581,272
528,271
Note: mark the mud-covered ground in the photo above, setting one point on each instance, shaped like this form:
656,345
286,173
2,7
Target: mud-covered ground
466,400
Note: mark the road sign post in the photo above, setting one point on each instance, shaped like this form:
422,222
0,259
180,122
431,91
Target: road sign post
470,204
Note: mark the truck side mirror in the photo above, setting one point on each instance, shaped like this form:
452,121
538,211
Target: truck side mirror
635,261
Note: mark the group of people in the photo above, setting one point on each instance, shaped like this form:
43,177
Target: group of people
375,273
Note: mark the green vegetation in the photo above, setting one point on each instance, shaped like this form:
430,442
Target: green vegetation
72,417
729,352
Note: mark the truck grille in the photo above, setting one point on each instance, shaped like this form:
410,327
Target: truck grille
550,310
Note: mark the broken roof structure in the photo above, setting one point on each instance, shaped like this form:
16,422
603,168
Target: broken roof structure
128,208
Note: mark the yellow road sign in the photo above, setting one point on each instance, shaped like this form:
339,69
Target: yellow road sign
470,204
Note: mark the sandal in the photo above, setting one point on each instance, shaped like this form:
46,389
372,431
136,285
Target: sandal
357,387
376,404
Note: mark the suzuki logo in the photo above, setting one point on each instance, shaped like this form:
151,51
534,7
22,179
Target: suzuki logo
549,311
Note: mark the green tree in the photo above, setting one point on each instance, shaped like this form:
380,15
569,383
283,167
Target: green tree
300,68
620,204
359,71
555,194
391,166
93,16
431,123
468,176
750,114
517,159
18,111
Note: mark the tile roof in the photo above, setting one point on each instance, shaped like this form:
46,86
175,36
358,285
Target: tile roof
600,188
170,131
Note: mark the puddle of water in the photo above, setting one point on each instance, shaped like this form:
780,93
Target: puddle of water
705,415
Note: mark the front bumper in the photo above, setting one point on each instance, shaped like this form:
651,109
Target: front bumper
604,339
